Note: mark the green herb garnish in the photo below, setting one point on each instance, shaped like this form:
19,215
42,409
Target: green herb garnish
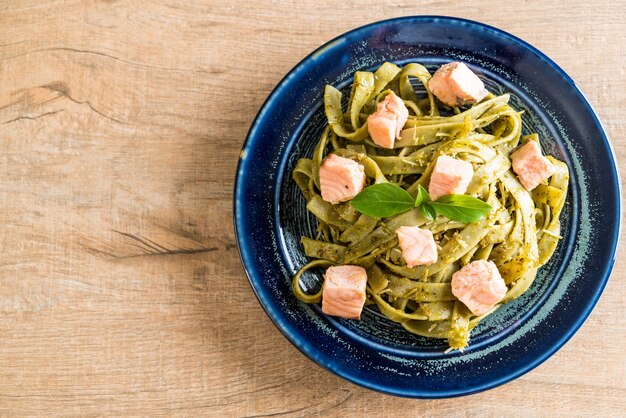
422,195
428,211
461,208
383,200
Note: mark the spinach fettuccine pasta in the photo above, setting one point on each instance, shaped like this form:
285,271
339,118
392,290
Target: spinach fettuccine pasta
432,207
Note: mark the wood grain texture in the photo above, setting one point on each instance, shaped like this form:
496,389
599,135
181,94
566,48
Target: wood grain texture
121,291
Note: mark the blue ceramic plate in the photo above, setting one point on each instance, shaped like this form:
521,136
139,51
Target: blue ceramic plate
270,214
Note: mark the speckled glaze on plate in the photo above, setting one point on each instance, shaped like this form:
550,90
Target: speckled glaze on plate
270,214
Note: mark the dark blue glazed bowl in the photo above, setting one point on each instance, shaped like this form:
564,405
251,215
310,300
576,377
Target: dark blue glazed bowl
270,215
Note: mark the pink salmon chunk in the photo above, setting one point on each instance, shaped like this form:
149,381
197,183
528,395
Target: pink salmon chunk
455,84
418,245
340,179
344,291
531,167
479,286
449,176
385,124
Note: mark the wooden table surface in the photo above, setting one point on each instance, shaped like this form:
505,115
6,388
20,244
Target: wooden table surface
121,290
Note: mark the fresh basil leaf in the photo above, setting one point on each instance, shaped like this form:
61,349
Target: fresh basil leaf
428,211
422,196
461,208
382,200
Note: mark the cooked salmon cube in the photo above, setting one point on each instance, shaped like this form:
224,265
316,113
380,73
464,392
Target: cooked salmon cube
449,176
418,245
385,124
479,286
344,291
382,128
531,167
340,179
455,84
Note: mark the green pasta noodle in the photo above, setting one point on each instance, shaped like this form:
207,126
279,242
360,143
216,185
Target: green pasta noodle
519,234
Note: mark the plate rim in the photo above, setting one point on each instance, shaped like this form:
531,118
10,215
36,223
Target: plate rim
581,317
